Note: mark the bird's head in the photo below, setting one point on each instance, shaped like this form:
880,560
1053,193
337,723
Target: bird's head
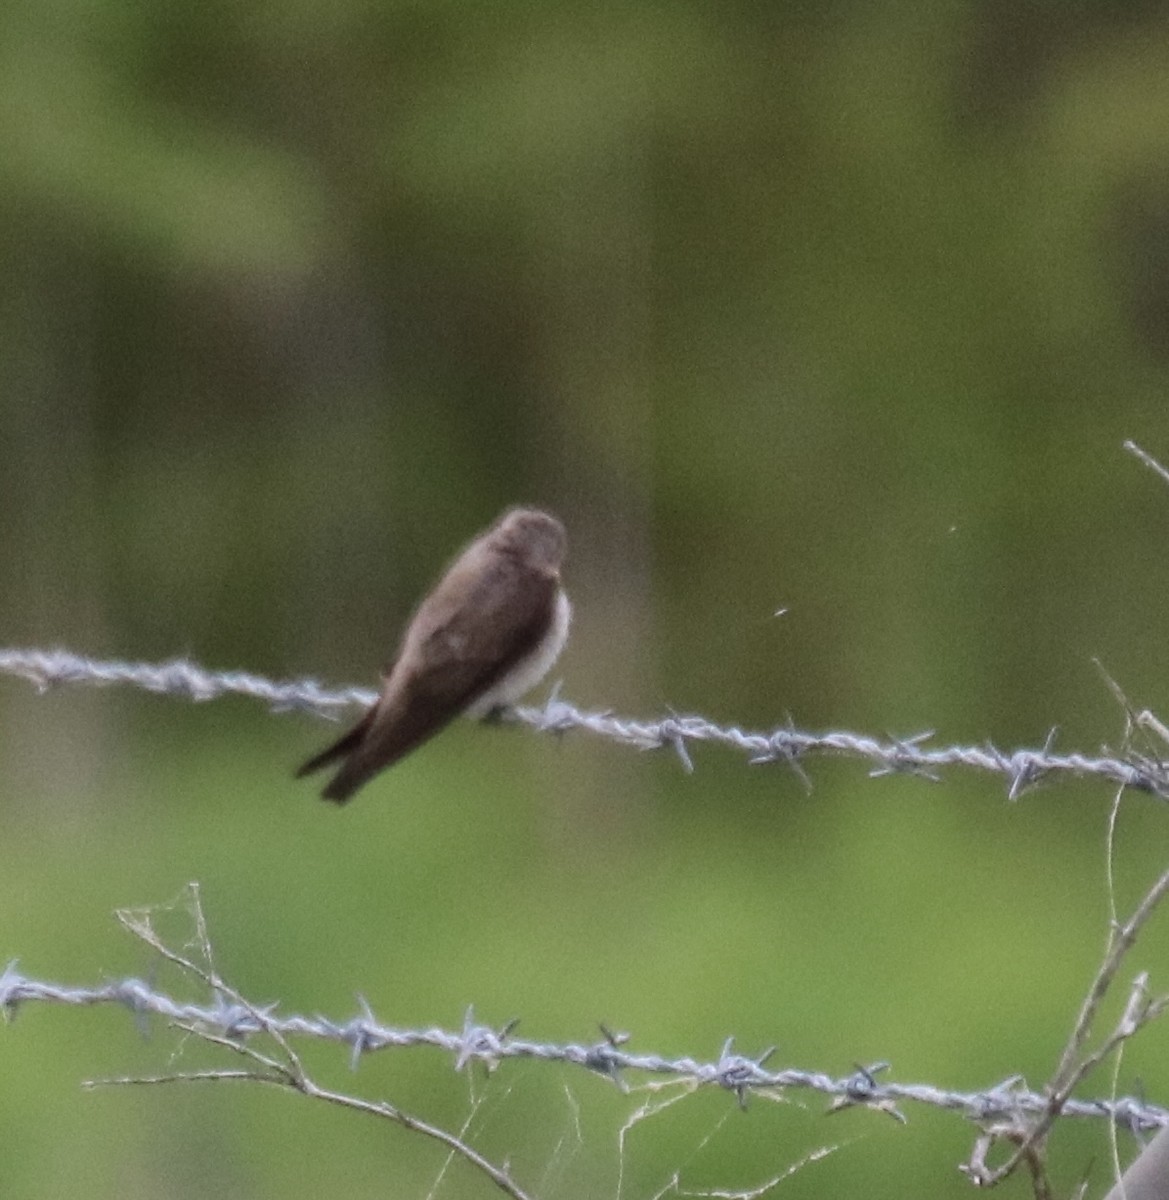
536,538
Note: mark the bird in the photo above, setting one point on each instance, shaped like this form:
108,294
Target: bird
488,632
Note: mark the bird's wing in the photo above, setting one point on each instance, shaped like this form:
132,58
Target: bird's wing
470,645
466,644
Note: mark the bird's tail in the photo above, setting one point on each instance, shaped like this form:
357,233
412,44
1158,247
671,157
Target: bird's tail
339,749
352,775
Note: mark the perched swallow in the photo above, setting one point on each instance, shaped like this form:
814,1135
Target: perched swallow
489,631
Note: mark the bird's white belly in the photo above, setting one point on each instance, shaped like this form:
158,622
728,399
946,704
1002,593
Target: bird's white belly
530,670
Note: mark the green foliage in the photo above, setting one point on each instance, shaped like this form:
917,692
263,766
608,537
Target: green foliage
839,308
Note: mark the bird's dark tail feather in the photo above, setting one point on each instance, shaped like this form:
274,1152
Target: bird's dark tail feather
337,750
344,745
347,780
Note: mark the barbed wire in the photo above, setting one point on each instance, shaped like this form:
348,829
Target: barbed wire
1022,768
1008,1101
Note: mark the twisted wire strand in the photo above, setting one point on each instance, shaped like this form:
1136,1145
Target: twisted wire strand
1008,1101
1022,769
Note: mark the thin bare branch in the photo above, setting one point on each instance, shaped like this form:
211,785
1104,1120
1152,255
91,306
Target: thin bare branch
1147,459
1029,1132
289,1073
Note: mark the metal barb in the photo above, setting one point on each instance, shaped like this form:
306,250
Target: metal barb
672,734
359,1033
606,1058
782,748
9,991
478,1043
736,1073
904,757
861,1090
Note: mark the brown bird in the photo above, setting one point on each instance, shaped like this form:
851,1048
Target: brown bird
489,631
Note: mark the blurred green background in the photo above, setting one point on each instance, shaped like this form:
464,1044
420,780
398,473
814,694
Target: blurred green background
844,308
